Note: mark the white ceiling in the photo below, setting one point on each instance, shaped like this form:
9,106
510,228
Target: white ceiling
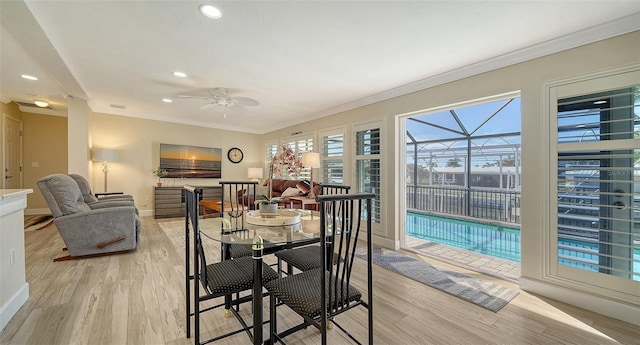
300,59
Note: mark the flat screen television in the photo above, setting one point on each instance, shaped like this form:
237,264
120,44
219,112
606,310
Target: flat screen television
182,161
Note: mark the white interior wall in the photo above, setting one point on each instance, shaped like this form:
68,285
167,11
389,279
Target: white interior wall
528,78
138,144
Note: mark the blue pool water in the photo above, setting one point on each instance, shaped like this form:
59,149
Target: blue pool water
498,241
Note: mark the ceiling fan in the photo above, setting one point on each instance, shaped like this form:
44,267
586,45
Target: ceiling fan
220,98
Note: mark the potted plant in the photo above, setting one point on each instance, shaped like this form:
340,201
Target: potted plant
160,173
268,205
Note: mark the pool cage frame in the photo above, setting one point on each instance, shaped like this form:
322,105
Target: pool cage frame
495,192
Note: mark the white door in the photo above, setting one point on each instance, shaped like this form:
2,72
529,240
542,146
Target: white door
12,175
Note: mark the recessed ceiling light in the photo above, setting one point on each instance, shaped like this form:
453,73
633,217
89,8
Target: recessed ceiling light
30,77
166,100
41,104
211,11
180,74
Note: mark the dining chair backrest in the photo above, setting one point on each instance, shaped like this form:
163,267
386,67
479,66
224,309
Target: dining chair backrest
332,189
335,189
237,200
342,218
192,228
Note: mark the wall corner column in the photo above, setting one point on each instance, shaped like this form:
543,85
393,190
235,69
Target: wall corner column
78,137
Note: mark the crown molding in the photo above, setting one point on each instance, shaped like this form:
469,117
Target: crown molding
594,34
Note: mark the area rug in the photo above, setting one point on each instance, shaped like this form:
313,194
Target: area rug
485,294
33,223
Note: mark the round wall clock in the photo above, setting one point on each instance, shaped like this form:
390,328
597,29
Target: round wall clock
235,155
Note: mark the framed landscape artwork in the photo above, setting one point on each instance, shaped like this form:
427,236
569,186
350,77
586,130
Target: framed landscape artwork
182,161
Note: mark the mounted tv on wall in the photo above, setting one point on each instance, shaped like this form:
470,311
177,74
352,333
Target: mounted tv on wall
181,161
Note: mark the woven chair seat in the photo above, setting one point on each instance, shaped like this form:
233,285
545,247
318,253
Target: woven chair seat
302,258
301,292
230,276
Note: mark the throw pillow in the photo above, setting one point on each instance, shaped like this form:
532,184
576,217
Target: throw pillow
291,191
304,187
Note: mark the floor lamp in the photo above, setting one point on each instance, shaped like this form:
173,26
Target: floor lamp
311,160
105,156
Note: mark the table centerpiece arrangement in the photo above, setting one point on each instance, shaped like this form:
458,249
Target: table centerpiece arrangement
285,160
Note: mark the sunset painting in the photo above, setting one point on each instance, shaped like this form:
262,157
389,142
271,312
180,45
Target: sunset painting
181,161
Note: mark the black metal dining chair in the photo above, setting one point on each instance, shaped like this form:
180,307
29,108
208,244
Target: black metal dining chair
237,200
219,279
307,257
320,294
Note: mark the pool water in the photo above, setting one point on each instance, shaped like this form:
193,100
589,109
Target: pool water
498,241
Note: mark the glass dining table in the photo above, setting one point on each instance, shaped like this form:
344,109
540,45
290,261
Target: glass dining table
291,228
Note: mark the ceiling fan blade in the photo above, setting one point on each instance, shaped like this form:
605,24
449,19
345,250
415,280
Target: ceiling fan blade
246,101
197,97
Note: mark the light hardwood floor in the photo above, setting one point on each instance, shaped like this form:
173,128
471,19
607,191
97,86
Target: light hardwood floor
138,298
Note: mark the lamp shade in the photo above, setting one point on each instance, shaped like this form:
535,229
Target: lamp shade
254,173
104,155
311,159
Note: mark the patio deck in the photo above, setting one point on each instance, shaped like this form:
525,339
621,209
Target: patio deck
486,264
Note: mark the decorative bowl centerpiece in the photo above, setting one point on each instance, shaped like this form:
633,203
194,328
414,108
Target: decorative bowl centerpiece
278,218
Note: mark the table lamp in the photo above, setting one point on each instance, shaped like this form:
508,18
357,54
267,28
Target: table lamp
311,160
105,156
255,174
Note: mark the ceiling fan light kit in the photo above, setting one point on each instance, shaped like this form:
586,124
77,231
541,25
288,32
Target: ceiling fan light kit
220,98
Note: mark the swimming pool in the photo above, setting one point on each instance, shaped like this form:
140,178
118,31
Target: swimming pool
499,241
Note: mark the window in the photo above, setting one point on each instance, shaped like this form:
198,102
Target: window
594,177
332,158
271,149
299,145
368,160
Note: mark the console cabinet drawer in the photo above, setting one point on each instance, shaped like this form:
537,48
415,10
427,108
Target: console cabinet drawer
169,201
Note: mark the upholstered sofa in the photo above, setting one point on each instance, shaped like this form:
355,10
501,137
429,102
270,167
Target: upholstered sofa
279,186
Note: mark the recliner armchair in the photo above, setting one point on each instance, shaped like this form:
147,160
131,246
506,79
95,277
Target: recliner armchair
106,201
88,195
109,228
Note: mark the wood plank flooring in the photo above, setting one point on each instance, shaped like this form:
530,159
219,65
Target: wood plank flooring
138,298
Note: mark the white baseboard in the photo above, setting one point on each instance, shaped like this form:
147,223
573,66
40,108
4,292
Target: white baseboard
616,310
385,243
13,305
145,213
36,211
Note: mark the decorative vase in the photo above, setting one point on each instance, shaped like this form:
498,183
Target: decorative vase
159,184
268,208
